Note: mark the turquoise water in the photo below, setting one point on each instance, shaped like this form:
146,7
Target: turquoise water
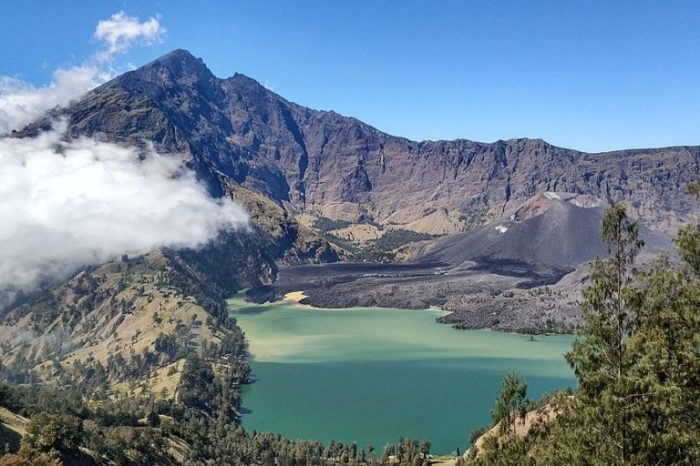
372,375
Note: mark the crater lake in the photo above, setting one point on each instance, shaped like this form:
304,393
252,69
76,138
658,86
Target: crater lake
372,375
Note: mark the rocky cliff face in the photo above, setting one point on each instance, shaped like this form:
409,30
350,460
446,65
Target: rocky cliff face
323,163
290,165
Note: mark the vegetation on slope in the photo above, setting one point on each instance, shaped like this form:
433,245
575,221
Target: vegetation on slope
138,362
200,427
86,390
381,249
637,363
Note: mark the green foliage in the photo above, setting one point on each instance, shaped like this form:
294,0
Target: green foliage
688,243
688,239
28,456
500,451
130,446
637,364
474,216
510,404
631,360
325,224
55,434
664,400
476,433
197,390
636,360
382,248
600,356
153,419
168,345
378,250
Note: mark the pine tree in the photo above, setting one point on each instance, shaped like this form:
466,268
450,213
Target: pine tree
688,239
666,351
636,359
637,363
510,404
599,355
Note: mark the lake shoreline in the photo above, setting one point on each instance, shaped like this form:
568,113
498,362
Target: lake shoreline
504,295
361,374
300,297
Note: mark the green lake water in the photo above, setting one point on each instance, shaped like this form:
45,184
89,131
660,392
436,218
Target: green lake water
372,375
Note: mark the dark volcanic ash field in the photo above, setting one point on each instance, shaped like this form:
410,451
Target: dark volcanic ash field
522,272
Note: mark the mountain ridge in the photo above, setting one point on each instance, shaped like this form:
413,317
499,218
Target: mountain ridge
322,163
185,54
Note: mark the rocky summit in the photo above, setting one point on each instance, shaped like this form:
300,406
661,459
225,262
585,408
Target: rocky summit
325,164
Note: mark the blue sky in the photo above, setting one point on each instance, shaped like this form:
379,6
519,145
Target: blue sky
587,75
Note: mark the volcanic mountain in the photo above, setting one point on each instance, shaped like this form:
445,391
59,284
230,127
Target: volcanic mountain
328,165
525,212
525,267
556,230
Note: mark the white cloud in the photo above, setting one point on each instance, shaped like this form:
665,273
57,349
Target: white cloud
121,31
22,102
68,204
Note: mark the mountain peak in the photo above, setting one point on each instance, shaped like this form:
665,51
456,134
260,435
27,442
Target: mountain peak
179,63
542,202
182,53
344,169
242,82
178,56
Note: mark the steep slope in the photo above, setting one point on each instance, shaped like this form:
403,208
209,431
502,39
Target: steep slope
555,230
285,161
521,272
323,163
120,310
